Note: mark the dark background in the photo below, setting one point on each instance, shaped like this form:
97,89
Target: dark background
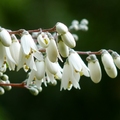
94,101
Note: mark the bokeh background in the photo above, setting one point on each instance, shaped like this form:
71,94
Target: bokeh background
94,101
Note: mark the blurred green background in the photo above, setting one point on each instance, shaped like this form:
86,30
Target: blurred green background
94,101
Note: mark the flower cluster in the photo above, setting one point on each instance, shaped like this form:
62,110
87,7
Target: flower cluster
40,52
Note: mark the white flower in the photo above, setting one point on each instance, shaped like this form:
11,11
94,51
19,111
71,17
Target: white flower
15,48
27,43
5,37
52,51
28,51
68,39
61,28
63,48
43,40
78,63
70,77
116,59
5,57
40,72
94,67
51,67
108,64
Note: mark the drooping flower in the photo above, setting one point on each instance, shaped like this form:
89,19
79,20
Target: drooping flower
108,64
15,48
43,40
70,77
28,51
5,57
78,64
94,67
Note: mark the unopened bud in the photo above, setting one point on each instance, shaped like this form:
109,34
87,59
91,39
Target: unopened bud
33,91
2,91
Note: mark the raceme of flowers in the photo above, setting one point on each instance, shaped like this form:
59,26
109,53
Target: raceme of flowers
39,53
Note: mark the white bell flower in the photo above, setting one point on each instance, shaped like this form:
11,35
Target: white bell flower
78,64
15,48
40,73
62,47
61,28
28,51
52,51
5,57
50,77
5,38
27,43
95,69
43,40
68,39
108,64
70,77
51,67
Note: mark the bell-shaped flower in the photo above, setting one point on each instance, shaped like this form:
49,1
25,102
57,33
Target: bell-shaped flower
70,77
108,64
51,67
5,57
15,48
43,40
28,51
52,51
27,43
116,59
68,39
5,38
62,47
61,28
77,63
94,67
40,72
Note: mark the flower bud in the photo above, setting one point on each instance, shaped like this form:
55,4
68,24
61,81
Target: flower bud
116,59
61,28
94,67
84,22
33,91
5,37
63,48
5,77
52,51
2,91
68,39
108,64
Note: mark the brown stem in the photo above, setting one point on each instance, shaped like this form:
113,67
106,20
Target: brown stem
30,31
23,85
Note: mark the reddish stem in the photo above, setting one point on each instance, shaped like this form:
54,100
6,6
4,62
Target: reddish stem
30,31
23,85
